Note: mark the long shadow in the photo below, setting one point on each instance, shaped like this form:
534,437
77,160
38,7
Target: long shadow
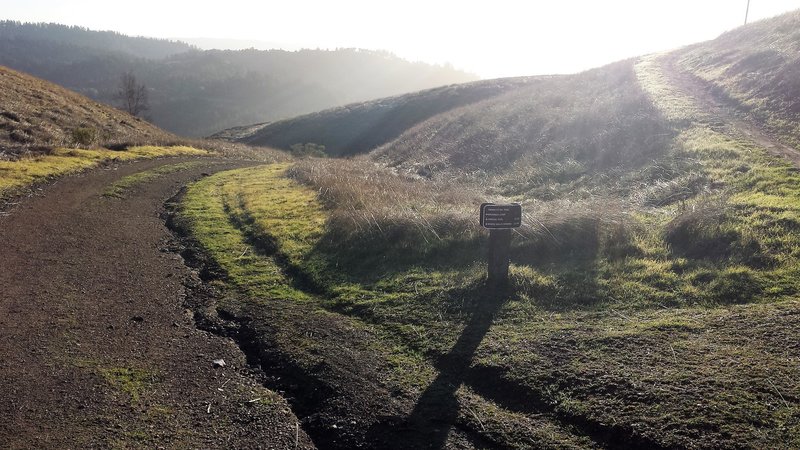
436,411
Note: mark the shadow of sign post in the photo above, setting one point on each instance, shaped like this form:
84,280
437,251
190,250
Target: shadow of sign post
436,411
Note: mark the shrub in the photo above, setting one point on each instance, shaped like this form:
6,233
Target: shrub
84,136
308,149
21,137
735,285
708,230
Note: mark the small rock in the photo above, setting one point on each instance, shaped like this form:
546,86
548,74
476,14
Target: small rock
137,319
218,363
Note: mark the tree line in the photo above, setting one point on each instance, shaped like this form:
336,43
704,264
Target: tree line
197,93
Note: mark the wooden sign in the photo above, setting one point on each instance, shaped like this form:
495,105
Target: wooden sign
501,216
500,219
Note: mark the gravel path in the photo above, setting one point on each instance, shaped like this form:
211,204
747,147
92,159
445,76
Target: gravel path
96,346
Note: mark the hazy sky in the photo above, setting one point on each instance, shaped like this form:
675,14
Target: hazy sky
490,38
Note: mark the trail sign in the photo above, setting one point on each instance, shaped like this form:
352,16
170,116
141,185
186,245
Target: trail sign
500,219
501,216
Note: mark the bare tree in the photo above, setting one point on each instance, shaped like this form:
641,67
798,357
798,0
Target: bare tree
132,94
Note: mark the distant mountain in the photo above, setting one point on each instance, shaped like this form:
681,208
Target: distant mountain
238,44
111,41
197,93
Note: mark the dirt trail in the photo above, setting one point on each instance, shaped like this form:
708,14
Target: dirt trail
96,345
723,115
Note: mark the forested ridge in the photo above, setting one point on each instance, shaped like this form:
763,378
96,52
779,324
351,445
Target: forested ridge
196,93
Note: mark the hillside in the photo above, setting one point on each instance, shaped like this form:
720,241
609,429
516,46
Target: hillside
654,283
80,37
35,113
359,127
197,93
47,131
754,71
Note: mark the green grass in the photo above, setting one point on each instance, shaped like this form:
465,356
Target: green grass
210,208
268,235
16,174
262,230
119,187
660,297
132,382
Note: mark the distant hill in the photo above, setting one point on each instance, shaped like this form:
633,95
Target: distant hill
560,128
197,93
602,118
486,125
110,41
360,127
35,113
597,118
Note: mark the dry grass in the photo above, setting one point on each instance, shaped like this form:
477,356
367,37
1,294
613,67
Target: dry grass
358,128
377,207
37,116
556,130
37,113
561,156
754,68
367,199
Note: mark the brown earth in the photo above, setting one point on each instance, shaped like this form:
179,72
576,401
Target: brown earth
96,344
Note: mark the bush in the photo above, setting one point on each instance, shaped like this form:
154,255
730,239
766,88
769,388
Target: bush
84,136
709,231
308,149
735,285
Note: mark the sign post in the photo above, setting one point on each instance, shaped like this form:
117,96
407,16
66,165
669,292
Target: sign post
499,220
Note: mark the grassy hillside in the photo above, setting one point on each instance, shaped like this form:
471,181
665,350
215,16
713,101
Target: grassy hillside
360,127
46,131
35,113
553,132
653,299
197,93
755,70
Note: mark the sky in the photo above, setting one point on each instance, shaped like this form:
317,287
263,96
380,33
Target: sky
489,38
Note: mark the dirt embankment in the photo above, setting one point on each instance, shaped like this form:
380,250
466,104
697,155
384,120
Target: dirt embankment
97,347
